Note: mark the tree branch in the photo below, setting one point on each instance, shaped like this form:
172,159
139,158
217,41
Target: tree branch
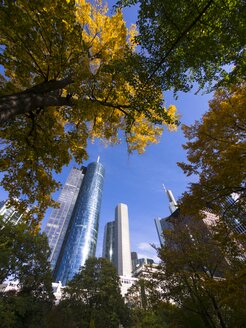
109,104
179,38
41,95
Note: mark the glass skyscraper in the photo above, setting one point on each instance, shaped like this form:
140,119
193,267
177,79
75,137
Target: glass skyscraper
109,242
59,219
76,238
162,224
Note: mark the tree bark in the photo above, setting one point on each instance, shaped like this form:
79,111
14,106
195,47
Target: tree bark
42,95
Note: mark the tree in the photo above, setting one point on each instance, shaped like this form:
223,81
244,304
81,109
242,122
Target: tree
216,154
24,257
151,306
147,307
92,298
203,272
68,78
190,42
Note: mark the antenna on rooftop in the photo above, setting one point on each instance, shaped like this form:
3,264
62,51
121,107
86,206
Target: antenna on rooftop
98,159
164,187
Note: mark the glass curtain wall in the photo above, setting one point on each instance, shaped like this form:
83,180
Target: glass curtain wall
59,219
81,237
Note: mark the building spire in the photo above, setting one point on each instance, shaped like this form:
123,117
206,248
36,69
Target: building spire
172,201
98,159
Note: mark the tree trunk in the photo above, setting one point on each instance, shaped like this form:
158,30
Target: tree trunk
41,95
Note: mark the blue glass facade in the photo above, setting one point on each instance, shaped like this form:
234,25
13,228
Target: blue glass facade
81,237
59,219
109,242
162,224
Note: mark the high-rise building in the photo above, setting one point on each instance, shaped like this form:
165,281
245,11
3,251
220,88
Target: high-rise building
59,219
9,213
123,250
75,224
209,220
116,245
235,212
162,224
137,263
134,258
109,242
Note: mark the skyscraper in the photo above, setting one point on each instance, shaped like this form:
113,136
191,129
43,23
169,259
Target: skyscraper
59,219
123,250
75,224
116,245
9,213
137,263
162,224
109,242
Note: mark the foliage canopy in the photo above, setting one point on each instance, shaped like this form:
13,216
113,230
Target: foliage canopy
71,74
190,42
24,258
216,154
203,271
95,293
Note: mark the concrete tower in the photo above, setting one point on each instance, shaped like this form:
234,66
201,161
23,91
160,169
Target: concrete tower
123,250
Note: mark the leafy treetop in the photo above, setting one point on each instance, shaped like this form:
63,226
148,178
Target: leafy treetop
203,271
216,154
24,257
95,292
71,74
193,42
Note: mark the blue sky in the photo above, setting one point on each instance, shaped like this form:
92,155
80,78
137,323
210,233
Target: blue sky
136,180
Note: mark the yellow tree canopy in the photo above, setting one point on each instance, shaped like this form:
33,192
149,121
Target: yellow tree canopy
216,151
70,74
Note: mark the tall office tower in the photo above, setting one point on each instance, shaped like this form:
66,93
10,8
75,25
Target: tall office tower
2,202
116,243
136,262
162,224
59,219
9,213
81,237
134,258
109,242
235,211
123,251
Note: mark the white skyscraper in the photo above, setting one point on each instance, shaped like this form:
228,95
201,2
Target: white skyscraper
116,246
123,250
116,243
